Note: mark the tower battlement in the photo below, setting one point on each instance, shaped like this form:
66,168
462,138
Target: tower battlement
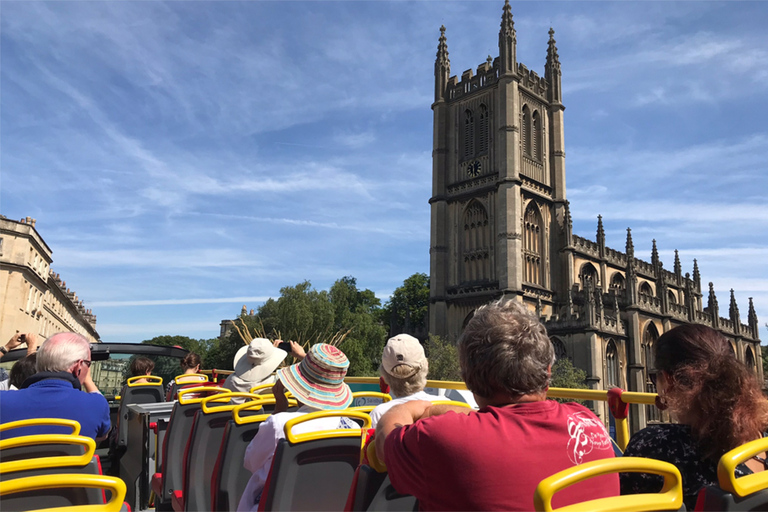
531,80
487,74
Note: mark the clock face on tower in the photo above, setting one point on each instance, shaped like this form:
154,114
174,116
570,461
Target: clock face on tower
473,169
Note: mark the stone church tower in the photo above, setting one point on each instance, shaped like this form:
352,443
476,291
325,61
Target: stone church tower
498,186
501,227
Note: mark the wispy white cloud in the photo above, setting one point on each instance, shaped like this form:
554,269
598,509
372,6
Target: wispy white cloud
176,302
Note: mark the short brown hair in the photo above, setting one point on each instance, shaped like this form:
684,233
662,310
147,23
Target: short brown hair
141,366
505,349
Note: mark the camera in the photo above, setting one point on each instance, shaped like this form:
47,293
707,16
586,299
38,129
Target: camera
23,338
285,345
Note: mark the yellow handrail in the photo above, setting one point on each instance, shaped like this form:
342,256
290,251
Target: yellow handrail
209,404
324,434
34,483
256,404
40,422
190,378
371,394
747,484
154,380
88,444
182,394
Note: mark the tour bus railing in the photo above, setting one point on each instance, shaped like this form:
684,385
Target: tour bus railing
618,400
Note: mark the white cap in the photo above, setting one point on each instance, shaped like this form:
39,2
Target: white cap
403,349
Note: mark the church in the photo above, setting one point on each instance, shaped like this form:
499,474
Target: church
501,227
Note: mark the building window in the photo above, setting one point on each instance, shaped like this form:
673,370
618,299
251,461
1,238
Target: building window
671,297
533,244
559,347
650,335
749,359
469,134
589,275
612,379
617,282
645,289
476,243
483,139
526,131
536,136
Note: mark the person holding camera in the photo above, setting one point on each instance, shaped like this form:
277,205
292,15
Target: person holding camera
256,362
16,341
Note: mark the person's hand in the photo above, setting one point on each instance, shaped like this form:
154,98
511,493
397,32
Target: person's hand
281,401
15,341
88,384
297,351
31,339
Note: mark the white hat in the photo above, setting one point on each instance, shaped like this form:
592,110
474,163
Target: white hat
257,360
403,349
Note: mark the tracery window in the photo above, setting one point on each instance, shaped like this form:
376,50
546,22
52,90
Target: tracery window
612,379
469,134
476,243
483,131
618,282
646,289
589,275
749,359
526,131
559,347
650,335
536,136
533,244
672,297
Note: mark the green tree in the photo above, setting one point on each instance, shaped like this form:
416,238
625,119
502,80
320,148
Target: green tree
565,375
167,367
443,359
406,310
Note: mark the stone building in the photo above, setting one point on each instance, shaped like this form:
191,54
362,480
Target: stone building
501,227
33,298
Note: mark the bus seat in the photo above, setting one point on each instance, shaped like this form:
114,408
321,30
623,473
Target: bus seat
368,398
44,445
185,380
175,442
229,479
203,450
137,393
748,492
314,470
669,499
52,426
62,493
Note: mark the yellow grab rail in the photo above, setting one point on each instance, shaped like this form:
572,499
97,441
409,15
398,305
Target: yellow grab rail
43,422
35,483
190,378
209,404
154,380
182,394
261,387
670,497
744,485
256,405
324,434
88,444
371,394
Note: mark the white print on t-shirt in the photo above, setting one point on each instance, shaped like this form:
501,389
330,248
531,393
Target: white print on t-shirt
587,433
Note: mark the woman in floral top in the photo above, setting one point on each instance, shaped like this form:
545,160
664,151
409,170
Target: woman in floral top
718,403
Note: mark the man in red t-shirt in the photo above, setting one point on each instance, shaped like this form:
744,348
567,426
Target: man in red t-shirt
492,459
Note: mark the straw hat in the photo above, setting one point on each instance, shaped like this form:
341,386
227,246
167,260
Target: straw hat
257,360
318,380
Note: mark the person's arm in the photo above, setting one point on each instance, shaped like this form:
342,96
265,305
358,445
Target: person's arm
88,385
31,339
281,401
15,341
406,414
297,351
261,449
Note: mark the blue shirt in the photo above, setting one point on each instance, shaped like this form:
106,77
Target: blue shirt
55,398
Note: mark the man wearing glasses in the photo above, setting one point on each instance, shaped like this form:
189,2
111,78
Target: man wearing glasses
61,388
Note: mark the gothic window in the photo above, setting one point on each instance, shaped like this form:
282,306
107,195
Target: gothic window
617,282
589,274
483,131
650,335
476,243
526,131
611,366
749,359
469,134
533,244
536,136
733,350
671,297
559,347
646,289
467,319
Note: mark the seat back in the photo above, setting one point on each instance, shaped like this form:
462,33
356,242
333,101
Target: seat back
137,393
314,471
34,425
183,381
385,497
176,437
368,398
748,492
204,445
67,491
229,480
669,499
44,445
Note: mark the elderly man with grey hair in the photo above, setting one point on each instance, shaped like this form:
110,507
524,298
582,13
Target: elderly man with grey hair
492,459
61,388
404,369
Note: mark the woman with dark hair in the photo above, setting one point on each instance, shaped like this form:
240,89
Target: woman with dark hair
717,402
141,366
191,363
23,369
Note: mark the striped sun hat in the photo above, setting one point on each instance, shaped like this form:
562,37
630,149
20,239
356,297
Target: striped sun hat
318,380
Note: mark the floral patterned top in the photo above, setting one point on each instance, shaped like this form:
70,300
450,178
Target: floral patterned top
674,444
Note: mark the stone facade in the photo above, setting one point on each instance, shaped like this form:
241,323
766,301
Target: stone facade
33,298
501,227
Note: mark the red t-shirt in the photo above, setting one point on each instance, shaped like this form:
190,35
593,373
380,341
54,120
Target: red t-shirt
494,458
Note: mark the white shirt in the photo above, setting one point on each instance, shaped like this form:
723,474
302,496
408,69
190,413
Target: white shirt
258,455
380,409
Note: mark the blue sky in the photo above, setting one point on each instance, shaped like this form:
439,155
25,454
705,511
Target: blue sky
185,158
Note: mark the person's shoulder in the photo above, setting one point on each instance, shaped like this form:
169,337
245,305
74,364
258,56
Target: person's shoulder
659,439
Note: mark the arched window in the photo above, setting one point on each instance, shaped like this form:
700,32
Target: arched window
483,130
612,379
526,132
650,335
533,244
646,289
672,297
469,134
467,319
476,243
617,282
749,359
559,347
536,136
589,274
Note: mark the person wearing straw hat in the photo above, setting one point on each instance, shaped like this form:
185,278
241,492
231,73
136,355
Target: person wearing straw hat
317,382
255,362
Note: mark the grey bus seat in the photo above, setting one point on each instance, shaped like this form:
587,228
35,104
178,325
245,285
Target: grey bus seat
184,381
57,446
175,442
386,498
133,393
72,491
54,425
748,492
314,471
229,479
203,448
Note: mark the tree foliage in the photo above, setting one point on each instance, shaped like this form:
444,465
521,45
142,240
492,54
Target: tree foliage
407,309
565,375
443,359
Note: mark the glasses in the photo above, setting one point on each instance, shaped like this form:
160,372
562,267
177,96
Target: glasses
86,362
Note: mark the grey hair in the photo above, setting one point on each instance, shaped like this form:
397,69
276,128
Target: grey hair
61,351
407,386
505,349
